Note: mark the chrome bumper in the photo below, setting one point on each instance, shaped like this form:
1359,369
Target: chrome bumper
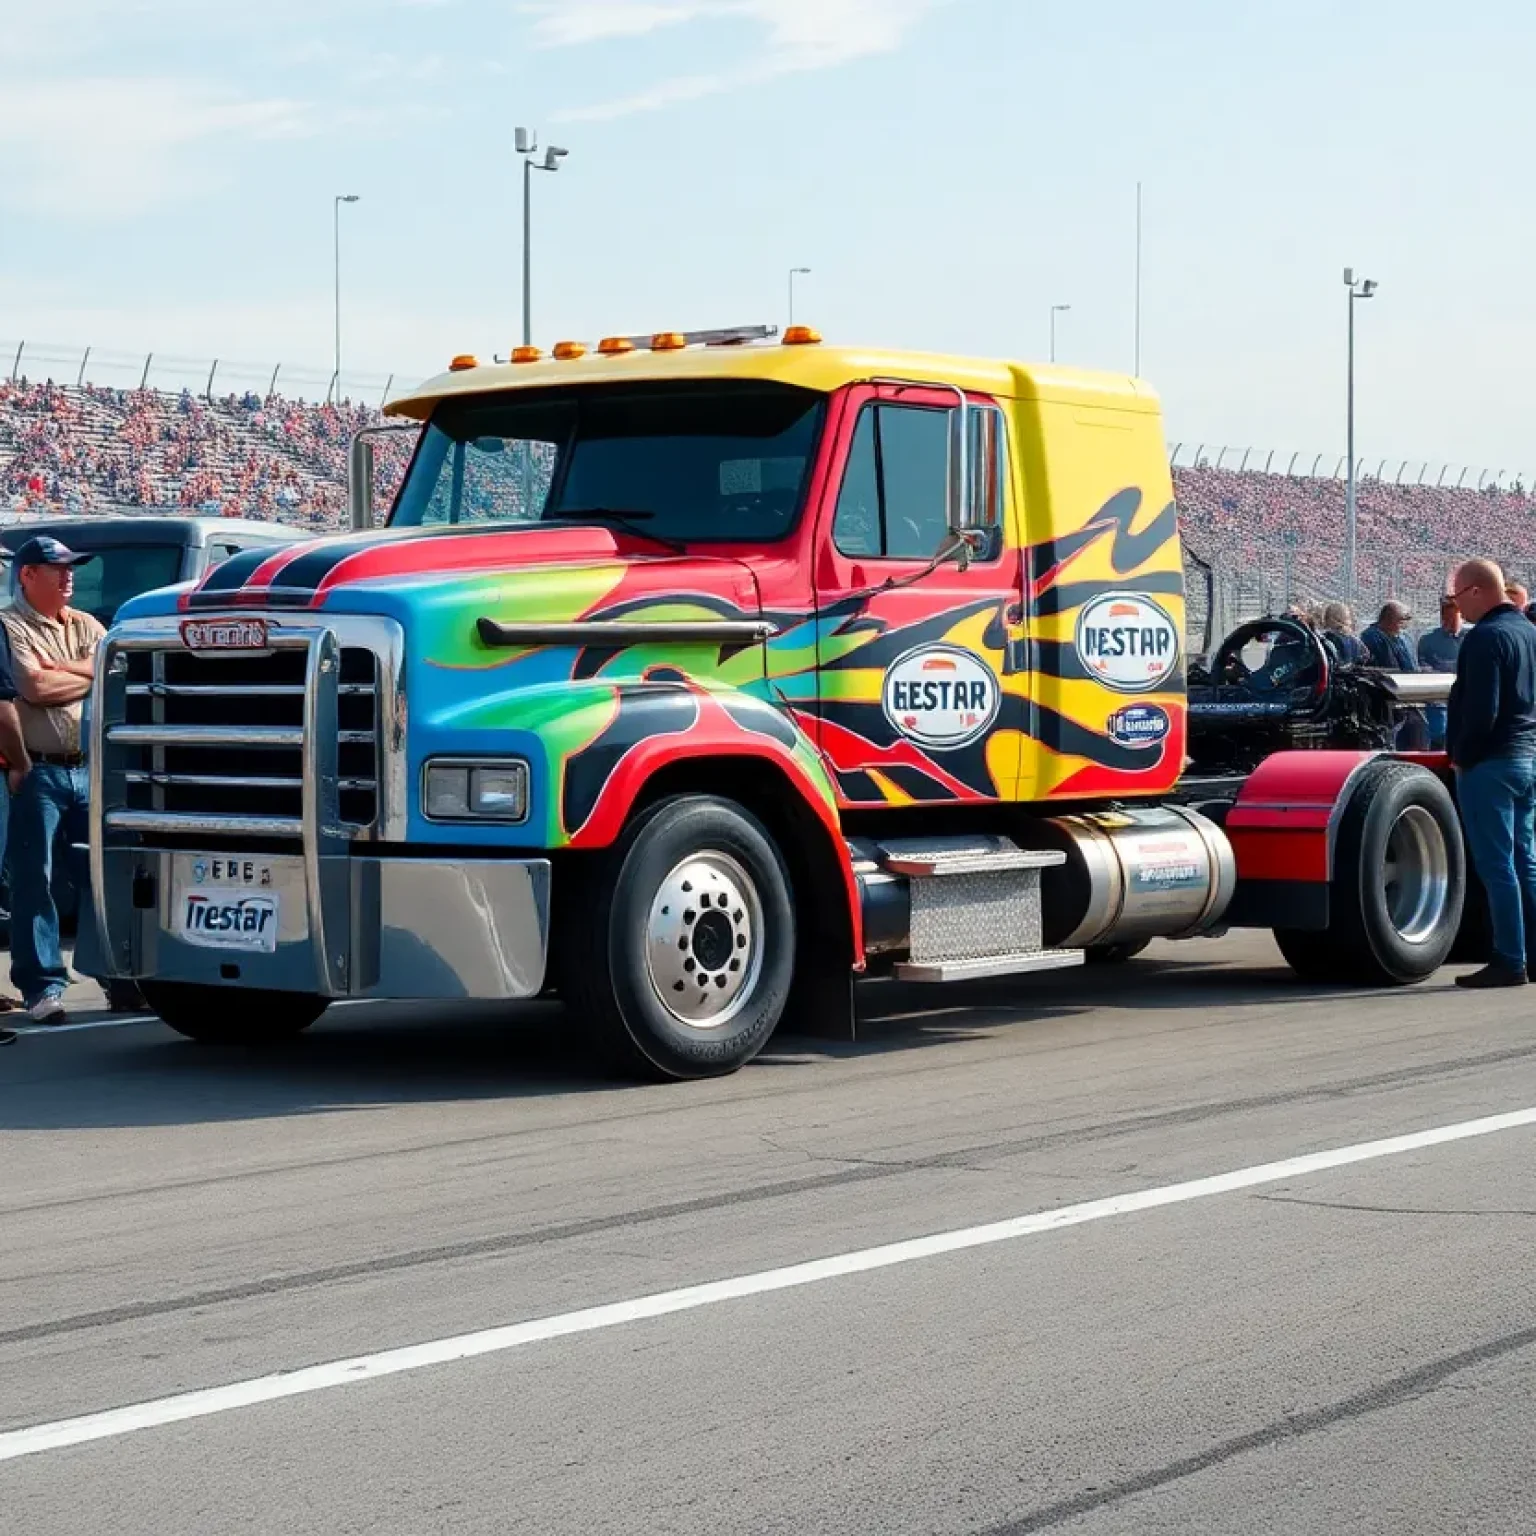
397,927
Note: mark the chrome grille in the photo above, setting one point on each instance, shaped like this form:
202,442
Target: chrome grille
222,737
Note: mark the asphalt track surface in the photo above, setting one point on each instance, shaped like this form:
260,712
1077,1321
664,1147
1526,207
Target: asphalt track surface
1342,1344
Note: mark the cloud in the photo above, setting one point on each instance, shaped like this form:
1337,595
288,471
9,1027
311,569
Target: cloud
801,36
91,148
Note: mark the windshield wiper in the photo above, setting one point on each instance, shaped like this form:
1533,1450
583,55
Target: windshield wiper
628,518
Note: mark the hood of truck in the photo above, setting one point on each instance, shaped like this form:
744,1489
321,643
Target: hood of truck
445,579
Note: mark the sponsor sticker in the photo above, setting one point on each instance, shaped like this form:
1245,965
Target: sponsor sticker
1139,725
229,919
940,696
1127,642
224,634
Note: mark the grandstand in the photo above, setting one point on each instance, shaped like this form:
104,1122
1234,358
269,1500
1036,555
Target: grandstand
86,448
1270,537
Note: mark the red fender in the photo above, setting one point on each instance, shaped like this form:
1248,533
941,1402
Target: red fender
717,736
1283,823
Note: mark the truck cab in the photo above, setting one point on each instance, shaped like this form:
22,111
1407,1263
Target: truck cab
693,676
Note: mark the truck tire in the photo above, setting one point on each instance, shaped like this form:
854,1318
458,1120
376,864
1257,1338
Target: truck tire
679,949
1399,883
228,1016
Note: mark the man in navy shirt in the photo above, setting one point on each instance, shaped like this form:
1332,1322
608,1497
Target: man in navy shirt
1491,740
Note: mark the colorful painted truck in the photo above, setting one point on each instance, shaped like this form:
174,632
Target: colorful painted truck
696,676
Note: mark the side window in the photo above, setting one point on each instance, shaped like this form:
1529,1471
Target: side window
856,528
219,553
893,501
914,459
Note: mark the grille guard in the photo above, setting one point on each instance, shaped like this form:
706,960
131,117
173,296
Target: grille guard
319,829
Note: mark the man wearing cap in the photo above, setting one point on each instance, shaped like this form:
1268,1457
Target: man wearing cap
1438,650
53,651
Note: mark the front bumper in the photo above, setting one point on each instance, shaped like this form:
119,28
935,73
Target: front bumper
388,927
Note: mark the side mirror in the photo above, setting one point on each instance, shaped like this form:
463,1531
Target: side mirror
958,478
360,482
985,500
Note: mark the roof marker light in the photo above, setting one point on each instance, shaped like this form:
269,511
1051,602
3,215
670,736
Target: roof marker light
565,351
462,361
612,346
801,336
668,341
526,354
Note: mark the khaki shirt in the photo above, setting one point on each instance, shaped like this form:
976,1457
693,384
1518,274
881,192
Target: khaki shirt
55,729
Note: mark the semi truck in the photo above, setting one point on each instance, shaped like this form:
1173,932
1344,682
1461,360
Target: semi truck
696,676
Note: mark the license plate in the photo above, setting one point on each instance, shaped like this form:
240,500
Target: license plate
224,634
230,917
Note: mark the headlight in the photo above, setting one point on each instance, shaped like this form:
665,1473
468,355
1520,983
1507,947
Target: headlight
463,789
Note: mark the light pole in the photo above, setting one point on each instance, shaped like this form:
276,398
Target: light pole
795,272
527,142
1056,309
1363,289
341,197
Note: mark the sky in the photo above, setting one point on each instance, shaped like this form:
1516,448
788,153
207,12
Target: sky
948,169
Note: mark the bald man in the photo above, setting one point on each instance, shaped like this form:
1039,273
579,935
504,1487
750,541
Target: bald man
1491,738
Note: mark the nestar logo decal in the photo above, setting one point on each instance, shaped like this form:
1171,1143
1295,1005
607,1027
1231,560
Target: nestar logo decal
940,696
1127,642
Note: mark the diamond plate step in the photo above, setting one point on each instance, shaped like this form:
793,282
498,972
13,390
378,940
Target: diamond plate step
988,965
972,898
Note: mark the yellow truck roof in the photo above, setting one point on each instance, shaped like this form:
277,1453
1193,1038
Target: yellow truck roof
818,367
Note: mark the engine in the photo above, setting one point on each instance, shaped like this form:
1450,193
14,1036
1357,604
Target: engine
1275,684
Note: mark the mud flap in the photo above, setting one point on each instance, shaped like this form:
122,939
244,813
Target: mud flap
820,1005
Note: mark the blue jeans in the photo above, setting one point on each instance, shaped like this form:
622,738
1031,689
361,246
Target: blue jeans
1498,810
52,800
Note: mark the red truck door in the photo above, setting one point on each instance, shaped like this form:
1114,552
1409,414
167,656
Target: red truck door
921,676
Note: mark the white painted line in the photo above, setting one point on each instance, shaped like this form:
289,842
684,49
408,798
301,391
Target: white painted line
466,1346
123,1021
74,1029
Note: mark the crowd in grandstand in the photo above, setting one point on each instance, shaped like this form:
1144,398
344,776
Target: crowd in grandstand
79,449
67,449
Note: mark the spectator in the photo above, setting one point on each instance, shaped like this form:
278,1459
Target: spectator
1491,740
1389,648
1438,652
53,649
1515,593
1385,641
1339,629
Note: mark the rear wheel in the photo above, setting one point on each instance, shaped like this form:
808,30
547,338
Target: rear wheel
679,946
228,1016
1395,902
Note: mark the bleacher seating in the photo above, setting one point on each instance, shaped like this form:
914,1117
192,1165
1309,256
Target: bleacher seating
68,449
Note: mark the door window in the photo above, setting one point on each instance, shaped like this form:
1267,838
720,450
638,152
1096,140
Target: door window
893,500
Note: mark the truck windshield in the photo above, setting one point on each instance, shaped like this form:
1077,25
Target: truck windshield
692,462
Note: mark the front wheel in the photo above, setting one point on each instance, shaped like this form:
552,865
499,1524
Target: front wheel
679,950
227,1016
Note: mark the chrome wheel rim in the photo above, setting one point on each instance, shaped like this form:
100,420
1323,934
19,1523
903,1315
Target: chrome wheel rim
1416,875
704,940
